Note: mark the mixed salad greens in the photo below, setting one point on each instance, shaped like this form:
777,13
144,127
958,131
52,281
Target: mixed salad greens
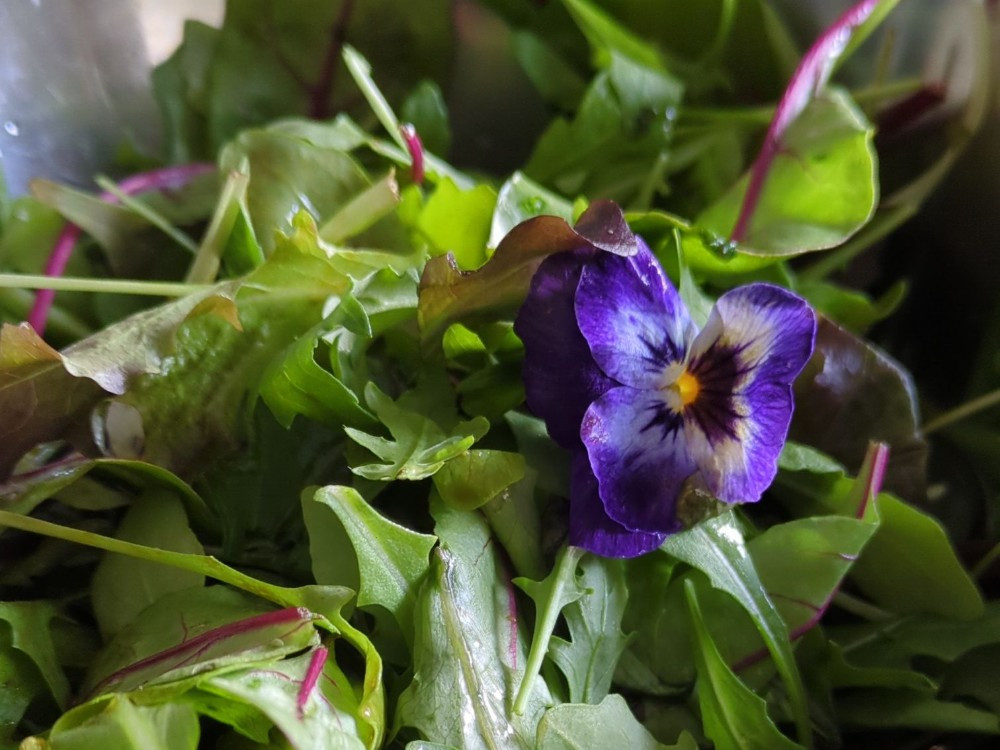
302,502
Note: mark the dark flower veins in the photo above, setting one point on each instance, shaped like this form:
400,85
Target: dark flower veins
622,378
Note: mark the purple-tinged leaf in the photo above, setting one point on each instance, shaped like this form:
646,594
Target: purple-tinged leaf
448,294
802,563
275,634
851,393
809,78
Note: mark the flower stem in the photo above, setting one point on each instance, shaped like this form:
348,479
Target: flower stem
961,412
565,570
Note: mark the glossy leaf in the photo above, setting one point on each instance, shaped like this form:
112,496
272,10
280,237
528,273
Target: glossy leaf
820,188
909,565
734,717
392,560
458,222
122,723
716,548
328,719
468,652
194,632
520,199
808,80
803,562
609,724
475,477
850,393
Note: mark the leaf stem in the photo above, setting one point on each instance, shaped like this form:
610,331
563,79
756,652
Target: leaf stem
861,608
201,564
961,412
159,179
153,217
363,210
565,570
208,256
110,286
361,72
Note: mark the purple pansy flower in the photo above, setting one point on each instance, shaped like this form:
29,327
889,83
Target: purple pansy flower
623,378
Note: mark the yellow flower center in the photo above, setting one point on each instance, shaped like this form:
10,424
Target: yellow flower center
679,387
687,387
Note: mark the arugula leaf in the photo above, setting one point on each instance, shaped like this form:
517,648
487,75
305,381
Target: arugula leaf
391,559
571,726
733,715
419,447
716,548
468,651
596,642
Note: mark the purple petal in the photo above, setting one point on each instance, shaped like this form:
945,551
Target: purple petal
589,524
560,376
757,340
632,317
638,454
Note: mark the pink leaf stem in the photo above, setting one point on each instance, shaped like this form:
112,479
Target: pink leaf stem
416,148
168,178
809,77
315,669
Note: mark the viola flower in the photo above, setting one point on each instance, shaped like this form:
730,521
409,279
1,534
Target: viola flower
623,378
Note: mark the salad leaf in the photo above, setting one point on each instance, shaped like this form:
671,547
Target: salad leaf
475,477
327,718
458,222
734,716
27,629
123,723
392,560
570,726
820,188
468,646
448,294
596,641
851,392
910,564
121,588
419,447
716,548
